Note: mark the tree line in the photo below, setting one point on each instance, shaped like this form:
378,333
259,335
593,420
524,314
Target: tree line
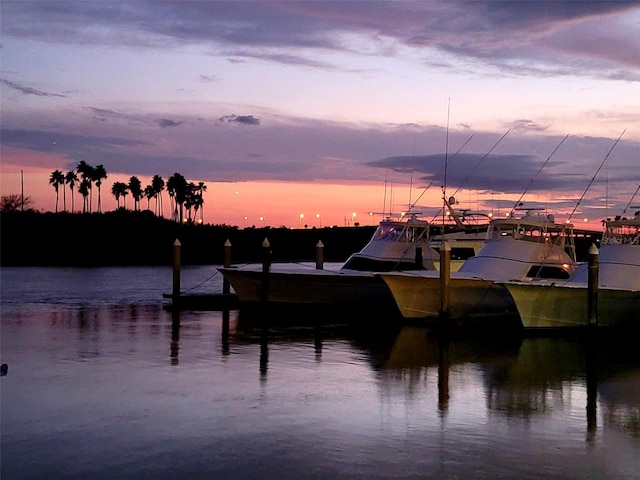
186,198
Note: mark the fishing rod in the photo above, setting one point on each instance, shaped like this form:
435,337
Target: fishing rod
630,201
596,174
477,164
480,161
538,173
431,183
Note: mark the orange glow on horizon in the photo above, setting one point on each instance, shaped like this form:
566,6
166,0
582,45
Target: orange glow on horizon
255,204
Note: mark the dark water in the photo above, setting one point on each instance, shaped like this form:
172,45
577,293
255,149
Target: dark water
104,383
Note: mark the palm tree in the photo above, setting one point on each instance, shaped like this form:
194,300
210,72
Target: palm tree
99,174
86,172
158,186
135,187
148,194
177,188
200,203
56,179
84,188
119,189
70,179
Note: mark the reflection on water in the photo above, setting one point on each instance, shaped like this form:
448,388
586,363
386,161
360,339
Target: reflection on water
130,390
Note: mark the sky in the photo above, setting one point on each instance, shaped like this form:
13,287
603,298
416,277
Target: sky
328,113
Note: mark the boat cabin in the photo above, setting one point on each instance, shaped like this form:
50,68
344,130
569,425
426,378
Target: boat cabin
397,244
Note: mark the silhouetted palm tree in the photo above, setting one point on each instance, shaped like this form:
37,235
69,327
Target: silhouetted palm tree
99,174
135,187
177,188
84,188
86,172
158,186
148,194
70,179
119,189
189,198
200,203
56,179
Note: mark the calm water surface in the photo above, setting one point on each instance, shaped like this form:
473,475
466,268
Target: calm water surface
104,383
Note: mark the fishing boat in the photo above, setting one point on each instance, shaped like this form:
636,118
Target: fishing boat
565,303
397,244
530,248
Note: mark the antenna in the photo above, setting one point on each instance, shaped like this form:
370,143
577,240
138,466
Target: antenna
537,173
594,177
446,161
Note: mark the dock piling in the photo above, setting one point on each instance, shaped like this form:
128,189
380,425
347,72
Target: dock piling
418,257
266,266
319,255
226,287
593,286
176,268
445,279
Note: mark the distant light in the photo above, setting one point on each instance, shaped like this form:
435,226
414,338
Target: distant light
200,221
184,220
586,220
491,215
317,215
236,192
246,218
371,214
262,219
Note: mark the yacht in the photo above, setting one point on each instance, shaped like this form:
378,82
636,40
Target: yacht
397,244
564,303
530,248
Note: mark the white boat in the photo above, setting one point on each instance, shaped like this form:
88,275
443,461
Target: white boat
529,248
565,303
397,244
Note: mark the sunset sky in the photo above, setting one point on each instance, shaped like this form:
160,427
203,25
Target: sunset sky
306,113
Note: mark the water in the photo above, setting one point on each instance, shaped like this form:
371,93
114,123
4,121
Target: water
104,383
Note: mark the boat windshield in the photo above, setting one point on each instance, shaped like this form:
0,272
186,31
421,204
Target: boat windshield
390,232
536,228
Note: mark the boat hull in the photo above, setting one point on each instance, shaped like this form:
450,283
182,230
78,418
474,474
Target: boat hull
418,296
553,306
310,288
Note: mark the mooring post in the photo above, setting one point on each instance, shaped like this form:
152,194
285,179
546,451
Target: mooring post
593,285
226,263
418,257
445,279
266,266
319,255
176,268
266,256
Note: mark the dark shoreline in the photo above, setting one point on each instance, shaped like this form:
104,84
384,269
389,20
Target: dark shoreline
127,238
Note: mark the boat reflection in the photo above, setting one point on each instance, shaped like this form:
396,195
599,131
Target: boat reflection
518,377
